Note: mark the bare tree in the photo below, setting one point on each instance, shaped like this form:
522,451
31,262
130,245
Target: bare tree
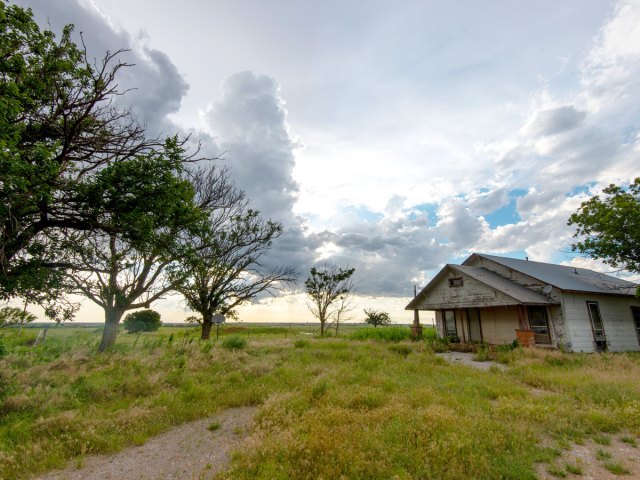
329,289
227,270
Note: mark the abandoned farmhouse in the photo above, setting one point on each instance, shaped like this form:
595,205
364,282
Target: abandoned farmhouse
497,300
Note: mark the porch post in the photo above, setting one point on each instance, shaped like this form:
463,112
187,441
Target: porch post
416,328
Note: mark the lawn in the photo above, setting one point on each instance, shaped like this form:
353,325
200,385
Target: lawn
348,407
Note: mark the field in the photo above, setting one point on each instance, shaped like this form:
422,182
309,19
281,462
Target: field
345,407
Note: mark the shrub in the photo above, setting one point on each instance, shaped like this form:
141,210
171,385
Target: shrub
482,353
300,343
142,321
439,345
234,342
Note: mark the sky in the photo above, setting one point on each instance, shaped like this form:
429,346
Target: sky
393,137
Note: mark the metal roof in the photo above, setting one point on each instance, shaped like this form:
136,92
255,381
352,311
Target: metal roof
564,277
519,294
493,280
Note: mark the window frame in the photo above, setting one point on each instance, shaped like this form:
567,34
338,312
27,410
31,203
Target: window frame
635,315
455,282
538,336
600,344
446,332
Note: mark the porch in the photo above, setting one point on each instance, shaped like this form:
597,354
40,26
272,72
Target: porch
497,325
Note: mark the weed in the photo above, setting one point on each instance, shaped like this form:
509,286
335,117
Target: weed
629,441
557,471
573,468
214,426
439,345
482,353
603,454
602,439
234,342
401,349
616,468
300,343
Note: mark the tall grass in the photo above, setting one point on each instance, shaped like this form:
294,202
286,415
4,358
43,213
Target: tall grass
387,334
330,408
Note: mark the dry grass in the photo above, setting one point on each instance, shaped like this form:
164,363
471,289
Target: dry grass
330,408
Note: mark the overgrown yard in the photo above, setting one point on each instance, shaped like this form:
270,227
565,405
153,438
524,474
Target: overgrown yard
328,408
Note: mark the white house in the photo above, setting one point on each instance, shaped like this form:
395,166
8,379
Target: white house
497,300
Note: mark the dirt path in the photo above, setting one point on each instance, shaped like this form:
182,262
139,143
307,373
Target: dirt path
190,451
464,358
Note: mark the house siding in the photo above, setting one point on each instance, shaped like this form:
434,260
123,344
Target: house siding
616,317
472,294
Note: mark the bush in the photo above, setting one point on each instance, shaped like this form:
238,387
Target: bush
439,345
142,321
234,342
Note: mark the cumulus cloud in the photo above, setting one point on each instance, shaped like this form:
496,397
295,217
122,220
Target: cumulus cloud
250,122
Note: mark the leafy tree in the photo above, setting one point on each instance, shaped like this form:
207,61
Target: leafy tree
142,321
130,270
227,270
376,317
608,228
14,315
327,288
58,125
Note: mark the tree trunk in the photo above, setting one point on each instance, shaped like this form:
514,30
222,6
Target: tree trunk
206,328
111,322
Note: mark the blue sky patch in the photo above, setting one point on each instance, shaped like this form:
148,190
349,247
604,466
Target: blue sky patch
507,214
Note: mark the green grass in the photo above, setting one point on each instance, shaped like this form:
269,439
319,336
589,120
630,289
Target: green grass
616,468
329,407
387,334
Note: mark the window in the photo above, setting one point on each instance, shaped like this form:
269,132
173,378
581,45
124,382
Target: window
455,282
539,325
450,330
635,311
597,326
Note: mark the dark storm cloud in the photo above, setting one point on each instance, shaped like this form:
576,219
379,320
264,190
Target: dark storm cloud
156,87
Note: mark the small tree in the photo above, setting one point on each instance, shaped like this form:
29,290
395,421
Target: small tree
14,315
328,288
376,317
226,270
608,229
142,321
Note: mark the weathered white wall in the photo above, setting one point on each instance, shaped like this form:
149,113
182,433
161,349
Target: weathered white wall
499,324
617,319
472,294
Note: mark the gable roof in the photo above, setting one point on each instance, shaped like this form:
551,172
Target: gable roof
563,277
516,294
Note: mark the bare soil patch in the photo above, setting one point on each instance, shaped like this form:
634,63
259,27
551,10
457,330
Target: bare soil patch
466,358
190,451
591,461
